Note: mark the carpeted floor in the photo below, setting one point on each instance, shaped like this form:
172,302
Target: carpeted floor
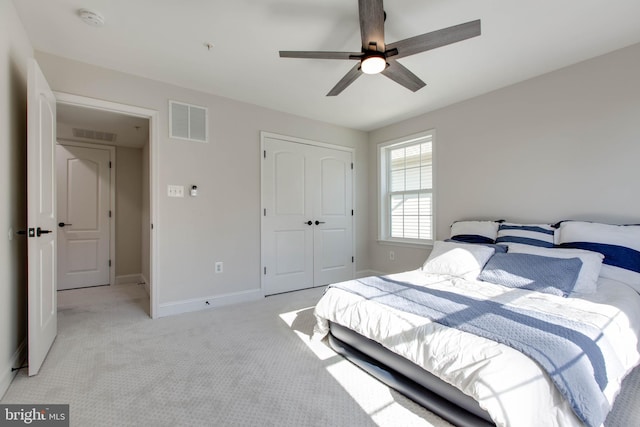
249,364
244,365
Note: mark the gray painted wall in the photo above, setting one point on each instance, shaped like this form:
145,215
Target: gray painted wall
564,145
15,49
223,222
128,211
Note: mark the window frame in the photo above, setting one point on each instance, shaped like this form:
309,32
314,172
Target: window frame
384,194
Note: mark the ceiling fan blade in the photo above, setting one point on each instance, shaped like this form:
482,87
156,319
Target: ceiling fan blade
435,39
348,78
319,54
372,24
401,75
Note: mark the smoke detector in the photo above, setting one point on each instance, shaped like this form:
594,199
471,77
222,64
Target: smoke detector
91,18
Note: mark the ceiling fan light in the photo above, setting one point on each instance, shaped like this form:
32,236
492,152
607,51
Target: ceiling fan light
373,64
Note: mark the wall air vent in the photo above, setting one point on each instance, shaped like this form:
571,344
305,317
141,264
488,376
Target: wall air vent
94,134
188,122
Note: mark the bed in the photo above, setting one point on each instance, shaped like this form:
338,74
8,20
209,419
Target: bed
435,333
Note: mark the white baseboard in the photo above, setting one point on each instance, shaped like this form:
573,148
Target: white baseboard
196,304
367,273
17,359
129,278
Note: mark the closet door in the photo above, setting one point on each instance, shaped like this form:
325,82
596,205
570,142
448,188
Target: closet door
332,216
307,231
287,227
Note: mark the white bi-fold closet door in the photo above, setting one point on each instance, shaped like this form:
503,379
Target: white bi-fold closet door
307,216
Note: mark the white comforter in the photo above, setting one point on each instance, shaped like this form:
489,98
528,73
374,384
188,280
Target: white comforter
510,386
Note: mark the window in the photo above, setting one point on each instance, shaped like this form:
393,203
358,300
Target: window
406,189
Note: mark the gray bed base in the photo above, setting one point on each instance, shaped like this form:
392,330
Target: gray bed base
408,378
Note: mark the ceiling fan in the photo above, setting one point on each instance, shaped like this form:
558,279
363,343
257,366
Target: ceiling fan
378,57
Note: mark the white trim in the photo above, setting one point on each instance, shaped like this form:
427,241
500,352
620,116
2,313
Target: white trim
17,359
382,204
263,136
126,279
406,243
153,116
367,273
205,303
112,197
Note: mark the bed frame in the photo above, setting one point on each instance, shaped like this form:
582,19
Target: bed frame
408,378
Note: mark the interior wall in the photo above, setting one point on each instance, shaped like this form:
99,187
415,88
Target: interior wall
223,222
15,49
128,211
564,145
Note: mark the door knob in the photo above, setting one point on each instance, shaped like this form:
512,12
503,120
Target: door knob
309,222
40,231
319,222
62,224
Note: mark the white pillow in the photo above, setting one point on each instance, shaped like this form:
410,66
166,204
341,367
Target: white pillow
457,259
587,282
620,245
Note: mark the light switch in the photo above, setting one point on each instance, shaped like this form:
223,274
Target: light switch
175,191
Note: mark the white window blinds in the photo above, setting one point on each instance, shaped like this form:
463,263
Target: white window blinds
407,190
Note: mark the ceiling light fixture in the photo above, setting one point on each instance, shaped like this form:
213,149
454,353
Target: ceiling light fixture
373,64
91,18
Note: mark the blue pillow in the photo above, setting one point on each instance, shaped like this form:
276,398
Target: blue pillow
556,276
528,234
474,231
500,249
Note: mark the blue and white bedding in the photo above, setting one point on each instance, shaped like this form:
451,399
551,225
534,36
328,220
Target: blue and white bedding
513,388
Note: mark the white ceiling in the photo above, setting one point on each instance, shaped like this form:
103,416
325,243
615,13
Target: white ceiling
165,40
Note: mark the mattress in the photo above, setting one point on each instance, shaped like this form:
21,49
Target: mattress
408,378
506,384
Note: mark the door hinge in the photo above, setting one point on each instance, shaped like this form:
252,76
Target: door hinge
152,226
109,263
109,214
351,165
265,270
353,259
264,154
351,212
265,211
109,164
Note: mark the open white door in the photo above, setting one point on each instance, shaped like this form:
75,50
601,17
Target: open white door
41,217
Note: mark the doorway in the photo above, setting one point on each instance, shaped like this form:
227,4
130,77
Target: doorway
89,128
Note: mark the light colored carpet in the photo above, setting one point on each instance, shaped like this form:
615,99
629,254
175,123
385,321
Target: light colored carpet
251,364
245,365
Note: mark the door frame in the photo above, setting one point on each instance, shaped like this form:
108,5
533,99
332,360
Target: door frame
153,117
296,140
112,196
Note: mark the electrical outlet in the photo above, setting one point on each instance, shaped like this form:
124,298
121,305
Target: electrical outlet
392,256
219,267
